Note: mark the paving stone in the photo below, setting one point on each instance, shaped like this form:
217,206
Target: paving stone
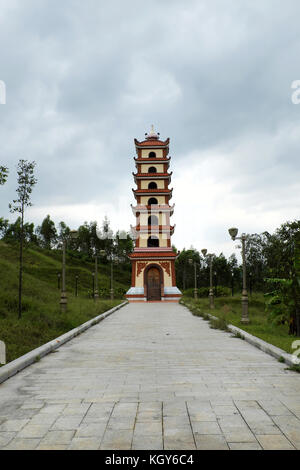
244,446
66,423
203,427
239,435
23,444
84,443
147,442
148,428
33,431
57,437
116,439
13,425
6,437
210,442
272,442
91,430
49,446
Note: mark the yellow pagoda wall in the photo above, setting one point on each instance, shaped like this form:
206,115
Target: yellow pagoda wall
159,167
145,153
163,241
162,218
160,199
160,183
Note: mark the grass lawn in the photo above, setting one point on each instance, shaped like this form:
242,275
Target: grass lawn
230,309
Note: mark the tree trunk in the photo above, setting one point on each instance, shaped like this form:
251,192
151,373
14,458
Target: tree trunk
21,265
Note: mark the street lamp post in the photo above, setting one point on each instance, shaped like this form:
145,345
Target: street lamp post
211,290
76,286
103,253
195,278
245,313
93,295
63,296
112,279
96,292
216,283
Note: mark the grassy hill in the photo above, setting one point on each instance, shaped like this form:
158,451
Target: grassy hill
41,319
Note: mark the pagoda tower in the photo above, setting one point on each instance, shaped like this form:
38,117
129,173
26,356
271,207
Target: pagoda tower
153,260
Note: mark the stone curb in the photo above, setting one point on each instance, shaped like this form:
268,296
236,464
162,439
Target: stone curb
35,355
268,348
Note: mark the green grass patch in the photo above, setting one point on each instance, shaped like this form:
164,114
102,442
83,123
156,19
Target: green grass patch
230,309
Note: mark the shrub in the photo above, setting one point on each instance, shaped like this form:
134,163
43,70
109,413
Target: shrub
204,292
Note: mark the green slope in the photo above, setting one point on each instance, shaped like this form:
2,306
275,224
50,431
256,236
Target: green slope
41,319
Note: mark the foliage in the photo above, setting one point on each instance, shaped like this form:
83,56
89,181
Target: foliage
221,291
3,174
278,302
47,233
283,302
26,181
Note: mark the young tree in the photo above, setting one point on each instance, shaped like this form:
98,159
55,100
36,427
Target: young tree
48,233
64,232
3,174
26,181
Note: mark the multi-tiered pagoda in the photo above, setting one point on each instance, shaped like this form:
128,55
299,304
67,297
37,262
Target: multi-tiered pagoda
153,260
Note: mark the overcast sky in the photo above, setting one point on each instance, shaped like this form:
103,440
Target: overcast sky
83,79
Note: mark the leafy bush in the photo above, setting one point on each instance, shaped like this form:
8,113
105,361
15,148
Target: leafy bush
204,292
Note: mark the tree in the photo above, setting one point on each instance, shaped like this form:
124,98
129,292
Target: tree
48,233
3,174
185,270
12,232
26,181
64,232
4,224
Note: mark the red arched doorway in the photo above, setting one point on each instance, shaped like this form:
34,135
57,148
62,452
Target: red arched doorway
153,283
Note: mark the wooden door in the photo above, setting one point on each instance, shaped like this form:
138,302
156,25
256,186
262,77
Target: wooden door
153,284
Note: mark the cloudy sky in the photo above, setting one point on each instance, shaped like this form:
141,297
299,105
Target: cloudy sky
83,79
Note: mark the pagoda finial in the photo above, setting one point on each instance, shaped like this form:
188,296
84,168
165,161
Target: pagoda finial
152,134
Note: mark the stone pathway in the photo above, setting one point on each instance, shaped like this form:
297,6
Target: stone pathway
152,376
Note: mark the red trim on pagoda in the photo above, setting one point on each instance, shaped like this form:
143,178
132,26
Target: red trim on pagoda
153,254
156,191
164,208
152,229
152,143
152,160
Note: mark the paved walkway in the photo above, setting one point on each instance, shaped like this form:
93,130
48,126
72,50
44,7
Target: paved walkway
152,376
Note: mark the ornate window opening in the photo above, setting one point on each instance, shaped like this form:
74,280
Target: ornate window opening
152,201
152,220
153,242
152,169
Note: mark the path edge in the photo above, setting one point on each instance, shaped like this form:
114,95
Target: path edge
267,348
36,354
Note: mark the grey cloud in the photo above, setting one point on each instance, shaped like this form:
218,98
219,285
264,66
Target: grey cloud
84,78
